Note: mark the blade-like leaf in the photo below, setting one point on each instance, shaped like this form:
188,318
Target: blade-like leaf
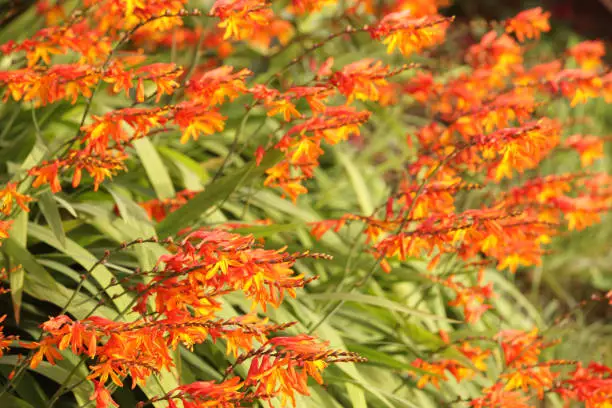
356,395
266,230
87,260
17,276
50,211
376,301
58,373
27,388
10,401
213,194
359,185
66,205
379,358
155,168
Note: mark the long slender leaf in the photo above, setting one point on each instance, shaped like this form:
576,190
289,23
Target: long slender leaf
50,210
377,301
120,298
213,194
17,275
10,401
155,168
359,185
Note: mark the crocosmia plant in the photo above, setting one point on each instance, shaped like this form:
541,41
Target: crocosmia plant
301,203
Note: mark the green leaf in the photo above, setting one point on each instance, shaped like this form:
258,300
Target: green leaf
66,205
267,230
41,285
377,301
356,395
192,172
215,193
200,366
35,157
379,358
18,148
326,332
155,168
50,211
420,335
519,299
16,279
59,373
10,401
17,276
318,398
86,259
120,298
26,388
131,212
359,185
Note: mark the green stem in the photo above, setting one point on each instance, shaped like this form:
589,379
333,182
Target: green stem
63,386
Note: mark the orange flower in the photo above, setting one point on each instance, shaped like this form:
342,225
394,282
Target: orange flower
578,85
5,341
401,31
239,18
435,373
528,24
497,53
215,86
45,349
525,147
318,229
579,212
105,370
588,54
589,147
309,6
286,108
4,227
99,168
539,379
195,119
521,348
497,397
263,36
164,76
10,194
209,393
47,173
102,396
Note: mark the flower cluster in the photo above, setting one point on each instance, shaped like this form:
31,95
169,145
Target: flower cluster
523,372
488,128
179,305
